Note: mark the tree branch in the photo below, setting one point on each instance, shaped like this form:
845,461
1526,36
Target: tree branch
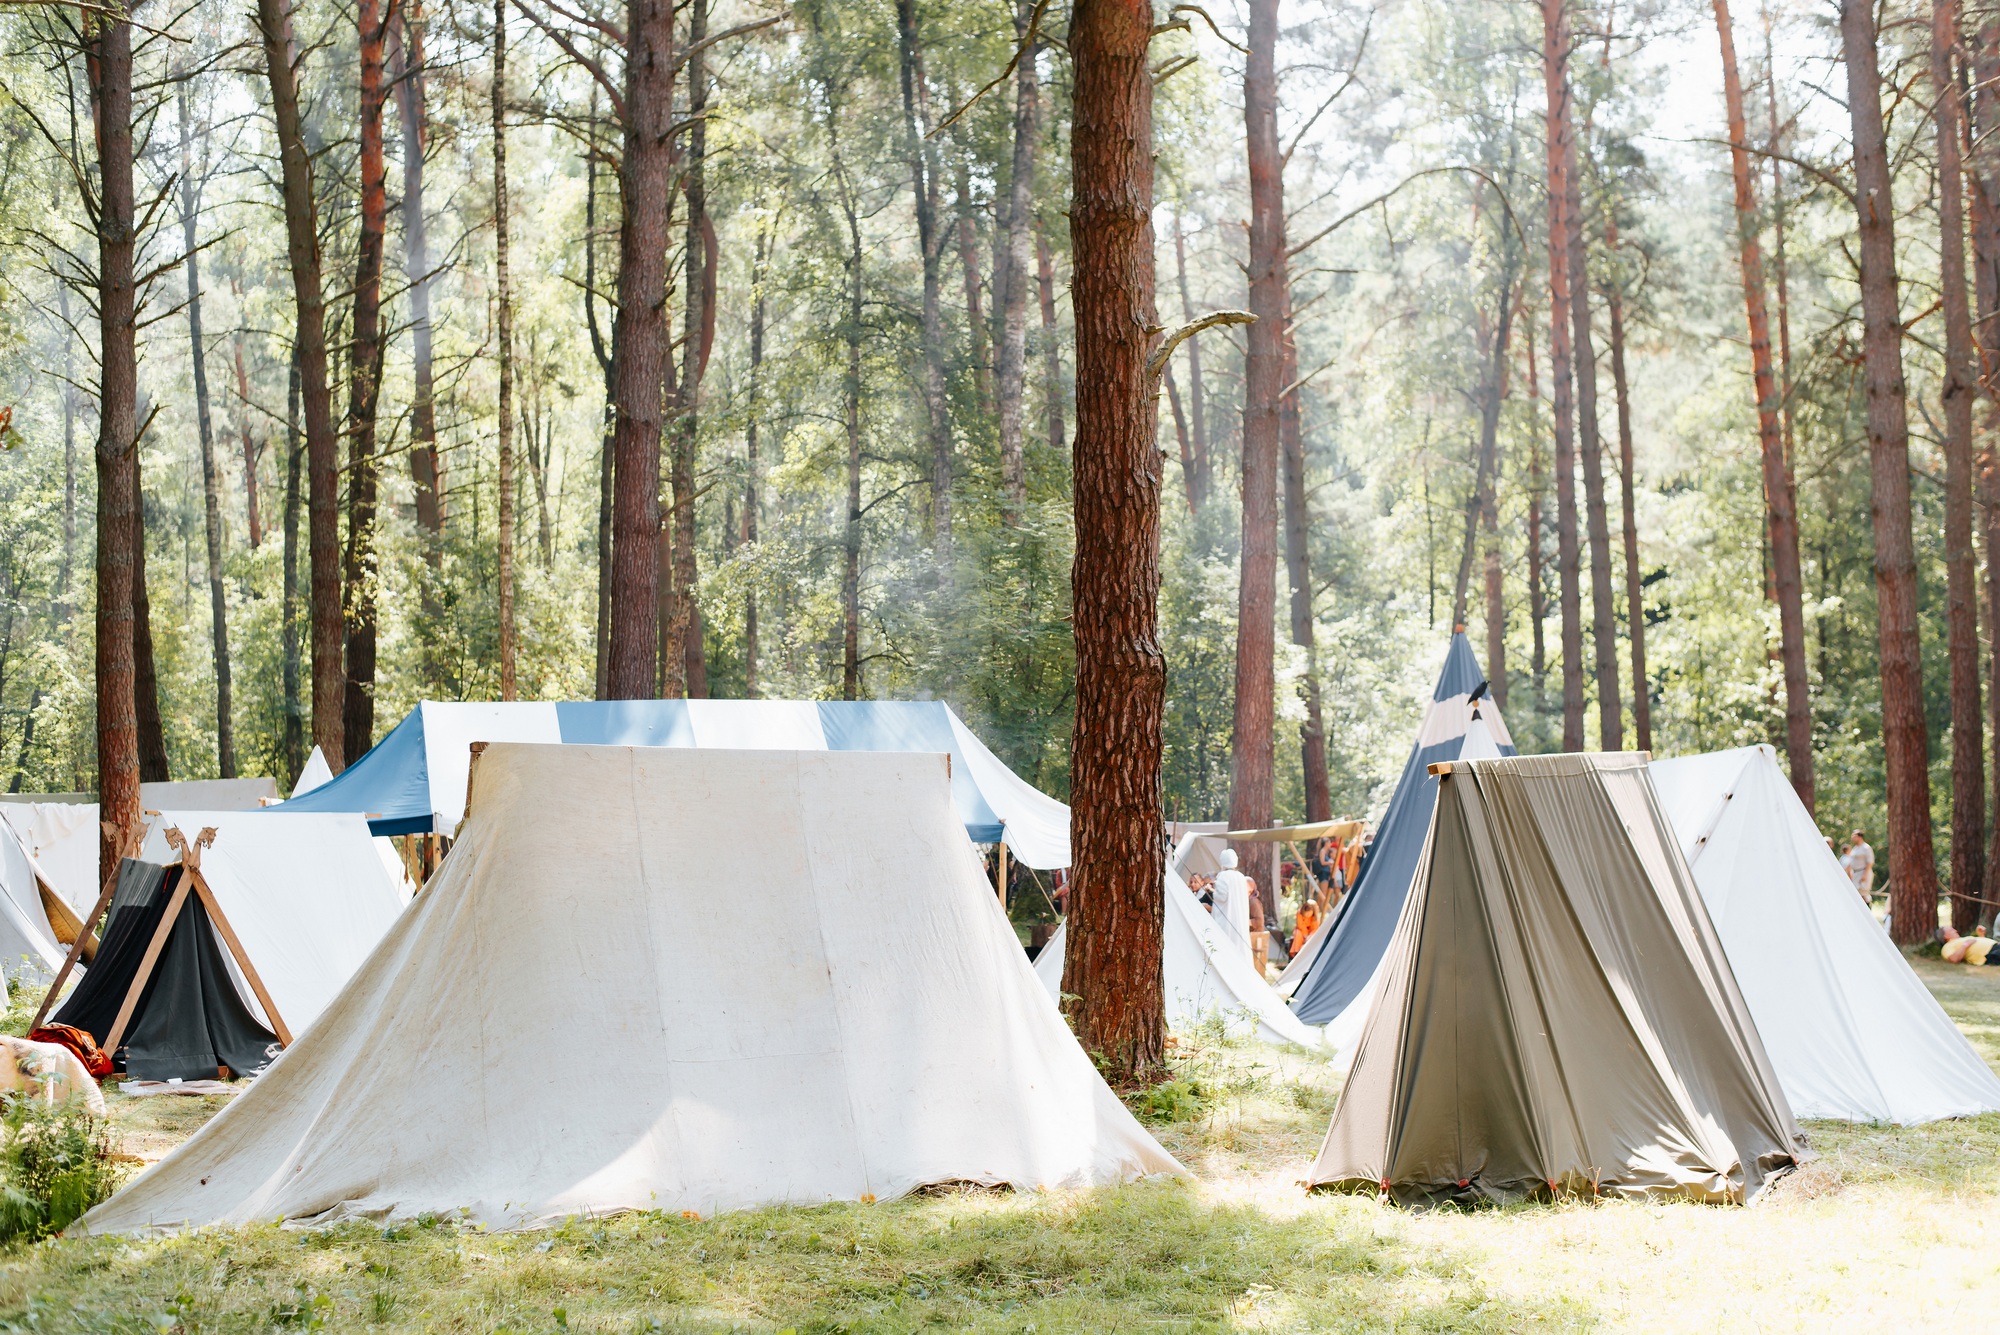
1158,361
1027,45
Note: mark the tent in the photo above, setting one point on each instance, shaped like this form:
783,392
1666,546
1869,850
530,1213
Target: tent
1334,970
171,1013
1556,1013
560,1025
414,778
1204,977
36,926
1852,1032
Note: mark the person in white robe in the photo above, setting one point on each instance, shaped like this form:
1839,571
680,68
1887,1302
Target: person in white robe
1232,902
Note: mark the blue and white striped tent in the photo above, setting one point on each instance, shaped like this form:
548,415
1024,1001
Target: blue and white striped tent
414,778
1344,953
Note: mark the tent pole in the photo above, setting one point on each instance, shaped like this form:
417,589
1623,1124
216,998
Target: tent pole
129,847
152,957
221,921
1000,871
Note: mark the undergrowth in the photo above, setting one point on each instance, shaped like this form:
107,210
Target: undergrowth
55,1163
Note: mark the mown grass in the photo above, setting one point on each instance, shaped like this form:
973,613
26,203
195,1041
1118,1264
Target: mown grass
1891,1229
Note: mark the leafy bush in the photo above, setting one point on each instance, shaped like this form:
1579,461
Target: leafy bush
55,1163
1178,1100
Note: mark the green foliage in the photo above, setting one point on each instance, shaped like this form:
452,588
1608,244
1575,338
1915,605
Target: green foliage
55,1164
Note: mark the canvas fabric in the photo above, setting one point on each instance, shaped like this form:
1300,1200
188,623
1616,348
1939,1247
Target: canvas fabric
893,1036
1556,1014
1852,1031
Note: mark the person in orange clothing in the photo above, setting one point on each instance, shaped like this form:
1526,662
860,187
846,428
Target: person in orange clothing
1305,925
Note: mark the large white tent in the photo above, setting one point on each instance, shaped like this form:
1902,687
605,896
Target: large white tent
1852,1032
1204,975
31,947
559,1025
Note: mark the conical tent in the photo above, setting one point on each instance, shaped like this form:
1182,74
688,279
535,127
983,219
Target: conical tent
560,1023
1204,978
1556,1013
1336,967
1852,1032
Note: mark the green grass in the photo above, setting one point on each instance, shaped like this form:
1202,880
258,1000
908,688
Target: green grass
1891,1229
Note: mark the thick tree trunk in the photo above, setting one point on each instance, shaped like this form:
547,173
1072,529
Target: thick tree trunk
211,482
1112,968
1782,525
504,349
688,672
640,347
1961,386
1298,569
274,23
1198,481
924,189
1560,128
364,371
108,64
1905,735
295,719
1985,123
1012,278
1252,762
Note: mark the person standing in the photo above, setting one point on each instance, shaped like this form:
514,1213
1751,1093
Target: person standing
1859,863
1232,903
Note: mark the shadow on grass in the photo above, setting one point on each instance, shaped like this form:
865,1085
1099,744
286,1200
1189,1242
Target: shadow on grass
1151,1257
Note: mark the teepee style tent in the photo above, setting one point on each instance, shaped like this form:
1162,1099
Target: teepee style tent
1853,1034
1204,977
1335,968
559,1024
414,778
1556,1013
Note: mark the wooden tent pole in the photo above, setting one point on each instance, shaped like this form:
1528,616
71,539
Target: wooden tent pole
221,921
152,957
129,847
1000,870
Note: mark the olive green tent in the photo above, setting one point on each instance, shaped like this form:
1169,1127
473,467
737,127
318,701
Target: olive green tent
1557,1015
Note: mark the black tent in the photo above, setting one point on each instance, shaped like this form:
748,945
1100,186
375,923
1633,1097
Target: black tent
189,1019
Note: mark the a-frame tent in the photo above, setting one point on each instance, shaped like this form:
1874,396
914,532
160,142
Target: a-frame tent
1335,969
559,1026
1852,1032
36,925
1556,1016
1204,976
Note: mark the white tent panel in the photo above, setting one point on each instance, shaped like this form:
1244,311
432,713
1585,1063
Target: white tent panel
62,838
1037,824
29,950
893,1036
1852,1032
1204,976
313,773
756,725
451,729
306,893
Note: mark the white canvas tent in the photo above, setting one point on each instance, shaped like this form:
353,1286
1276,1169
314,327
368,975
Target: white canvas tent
1203,975
1852,1032
31,946
559,1024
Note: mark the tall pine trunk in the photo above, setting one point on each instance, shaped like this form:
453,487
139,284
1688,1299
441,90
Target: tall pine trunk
1298,569
698,333
1560,128
295,720
503,300
153,767
274,22
924,191
1905,735
1985,122
639,345
1012,276
364,372
1635,587
1251,759
760,259
211,482
108,65
1961,386
252,505
1111,971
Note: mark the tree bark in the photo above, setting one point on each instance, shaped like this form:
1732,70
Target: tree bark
851,335
1251,757
1985,122
252,507
640,346
153,766
1635,586
1198,482
1905,734
108,65
698,330
1298,569
295,729
606,443
504,339
211,483
364,377
1560,128
1111,970
1782,527
1012,278
274,23
924,187
1961,386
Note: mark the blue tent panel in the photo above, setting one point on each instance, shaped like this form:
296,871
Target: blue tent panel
911,725
391,784
1366,919
625,723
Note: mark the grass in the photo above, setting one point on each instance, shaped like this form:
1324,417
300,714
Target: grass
1891,1229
